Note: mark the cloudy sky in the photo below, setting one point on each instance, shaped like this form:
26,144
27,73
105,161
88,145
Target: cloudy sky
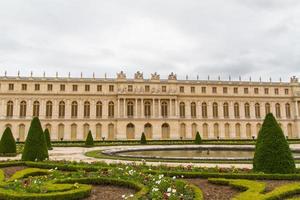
189,37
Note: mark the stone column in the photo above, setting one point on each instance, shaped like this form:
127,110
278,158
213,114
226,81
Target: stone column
124,107
153,108
159,108
136,108
142,109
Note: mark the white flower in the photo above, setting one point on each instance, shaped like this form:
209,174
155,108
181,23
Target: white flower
168,194
174,177
169,189
174,191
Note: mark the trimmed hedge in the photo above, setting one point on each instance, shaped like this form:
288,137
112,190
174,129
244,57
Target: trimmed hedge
198,138
8,143
28,172
48,139
143,138
89,140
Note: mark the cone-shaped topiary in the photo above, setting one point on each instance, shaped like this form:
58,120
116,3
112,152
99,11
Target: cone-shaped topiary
143,139
89,139
7,143
198,138
48,139
272,152
35,148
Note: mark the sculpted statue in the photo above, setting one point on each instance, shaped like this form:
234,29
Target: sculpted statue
121,75
172,76
294,79
138,75
155,76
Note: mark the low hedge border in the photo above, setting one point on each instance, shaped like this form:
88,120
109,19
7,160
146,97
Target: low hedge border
28,172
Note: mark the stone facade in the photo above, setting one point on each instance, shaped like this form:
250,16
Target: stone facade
123,108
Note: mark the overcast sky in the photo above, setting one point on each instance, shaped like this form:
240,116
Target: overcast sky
189,37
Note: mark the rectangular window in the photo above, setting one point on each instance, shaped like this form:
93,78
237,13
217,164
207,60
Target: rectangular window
225,90
49,87
36,87
75,88
147,88
62,87
266,90
130,88
181,89
111,88
214,89
193,89
235,90
203,90
87,88
256,90
24,87
11,86
164,88
246,90
286,91
99,88
276,91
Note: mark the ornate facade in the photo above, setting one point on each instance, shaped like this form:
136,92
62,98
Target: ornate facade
123,108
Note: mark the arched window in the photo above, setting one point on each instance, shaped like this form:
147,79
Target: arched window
165,129
130,109
257,110
238,131
61,109
148,131
247,110
48,109
73,132
216,130
226,110
267,108
194,130
86,110
204,110
258,126
23,109
164,109
215,110
182,109
21,132
248,130
10,109
147,109
61,131
193,110
130,131
227,131
290,130
36,109
277,110
111,131
236,110
288,110
182,131
99,109
205,130
111,109
98,131
74,109
86,129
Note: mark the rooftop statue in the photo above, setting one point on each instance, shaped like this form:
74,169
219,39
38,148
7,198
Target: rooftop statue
138,75
121,75
172,76
155,76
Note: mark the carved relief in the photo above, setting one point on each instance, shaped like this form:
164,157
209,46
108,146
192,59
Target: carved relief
121,75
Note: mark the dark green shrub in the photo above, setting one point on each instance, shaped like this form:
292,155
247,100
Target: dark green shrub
198,138
35,148
272,152
8,143
89,139
143,139
48,139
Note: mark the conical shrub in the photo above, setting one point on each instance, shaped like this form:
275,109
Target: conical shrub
8,143
48,139
89,139
272,152
143,139
198,139
35,148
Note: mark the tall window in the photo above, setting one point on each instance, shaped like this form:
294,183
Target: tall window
277,110
225,110
36,109
164,109
49,109
193,110
147,109
247,110
236,110
267,108
23,109
74,109
288,110
111,109
204,110
99,109
257,110
86,110
182,109
215,110
61,109
10,109
130,109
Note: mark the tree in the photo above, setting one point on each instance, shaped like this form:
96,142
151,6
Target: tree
8,143
198,138
143,139
48,139
89,139
35,148
272,152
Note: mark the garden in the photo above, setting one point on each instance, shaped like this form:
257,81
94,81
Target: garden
34,176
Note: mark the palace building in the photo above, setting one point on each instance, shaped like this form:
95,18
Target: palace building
123,108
